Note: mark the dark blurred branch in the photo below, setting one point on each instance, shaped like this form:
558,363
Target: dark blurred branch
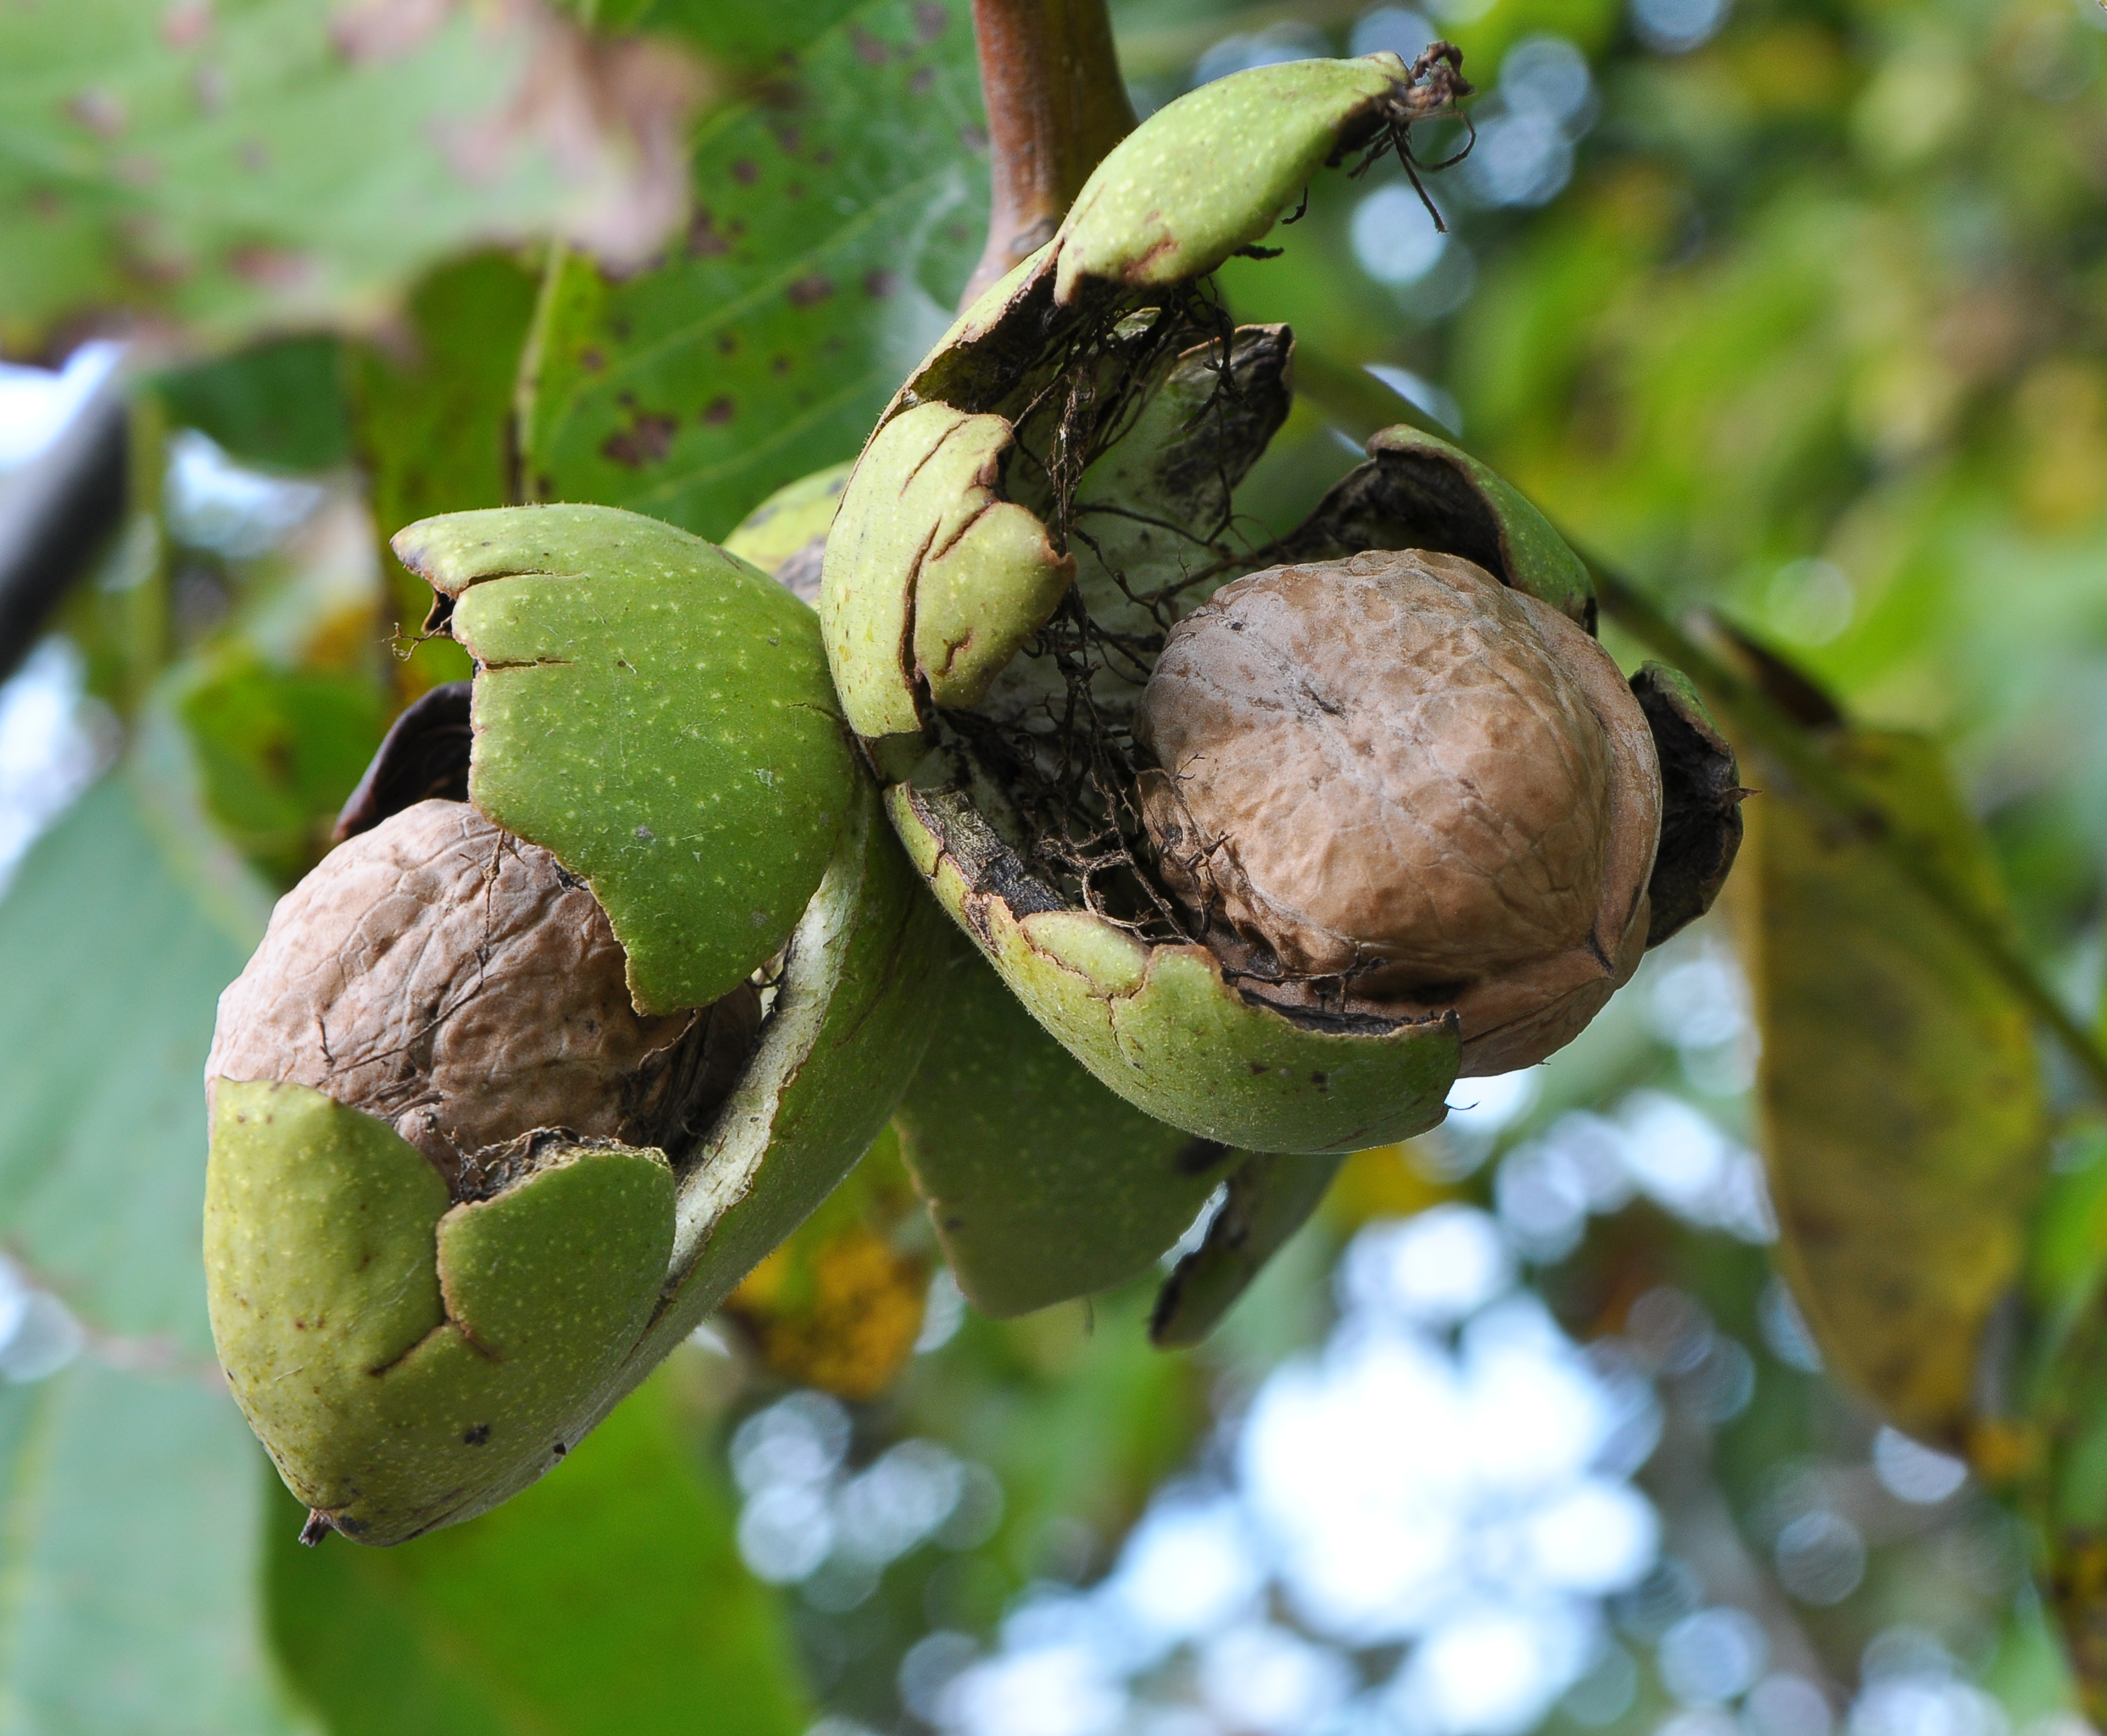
1056,105
55,512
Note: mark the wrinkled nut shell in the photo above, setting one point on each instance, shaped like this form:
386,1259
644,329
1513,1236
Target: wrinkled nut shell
1393,771
456,982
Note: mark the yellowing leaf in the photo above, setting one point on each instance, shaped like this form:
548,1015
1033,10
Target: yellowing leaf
839,1305
1899,1103
1380,1182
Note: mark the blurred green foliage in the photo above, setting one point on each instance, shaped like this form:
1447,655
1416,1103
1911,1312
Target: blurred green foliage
255,166
610,1599
277,405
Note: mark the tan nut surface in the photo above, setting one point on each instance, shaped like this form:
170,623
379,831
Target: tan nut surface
1396,770
456,982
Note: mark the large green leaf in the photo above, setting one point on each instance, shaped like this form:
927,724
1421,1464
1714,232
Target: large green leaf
129,1515
113,964
263,162
127,1493
837,216
1898,1099
610,1597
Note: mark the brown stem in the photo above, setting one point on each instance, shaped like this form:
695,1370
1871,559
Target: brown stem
1056,105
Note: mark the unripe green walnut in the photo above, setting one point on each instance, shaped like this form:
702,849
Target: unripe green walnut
456,982
497,1116
1392,782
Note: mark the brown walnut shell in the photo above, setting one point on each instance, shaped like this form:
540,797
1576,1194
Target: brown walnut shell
1390,783
455,981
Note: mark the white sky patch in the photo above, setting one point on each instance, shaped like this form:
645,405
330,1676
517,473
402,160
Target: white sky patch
213,502
37,403
1914,1473
1490,1105
1434,1268
1448,1472
38,1335
54,742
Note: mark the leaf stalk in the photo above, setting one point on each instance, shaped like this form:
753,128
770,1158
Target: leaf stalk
1056,106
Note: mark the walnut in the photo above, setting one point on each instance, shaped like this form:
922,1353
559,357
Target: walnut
455,981
1392,783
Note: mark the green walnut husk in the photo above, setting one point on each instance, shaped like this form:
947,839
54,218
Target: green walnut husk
418,1316
1048,497
786,535
1042,1185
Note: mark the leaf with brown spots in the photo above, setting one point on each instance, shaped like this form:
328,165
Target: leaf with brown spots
836,214
268,165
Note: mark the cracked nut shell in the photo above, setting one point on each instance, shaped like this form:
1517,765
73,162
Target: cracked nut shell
456,983
1393,779
432,1272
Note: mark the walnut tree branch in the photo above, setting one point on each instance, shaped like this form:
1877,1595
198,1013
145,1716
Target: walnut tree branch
1056,105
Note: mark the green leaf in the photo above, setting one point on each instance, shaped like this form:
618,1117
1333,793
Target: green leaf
835,218
609,1598
129,1514
746,35
113,964
433,421
128,1500
1899,1103
278,750
272,162
279,404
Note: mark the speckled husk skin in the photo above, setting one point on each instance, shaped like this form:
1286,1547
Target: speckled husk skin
1160,1024
410,1356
